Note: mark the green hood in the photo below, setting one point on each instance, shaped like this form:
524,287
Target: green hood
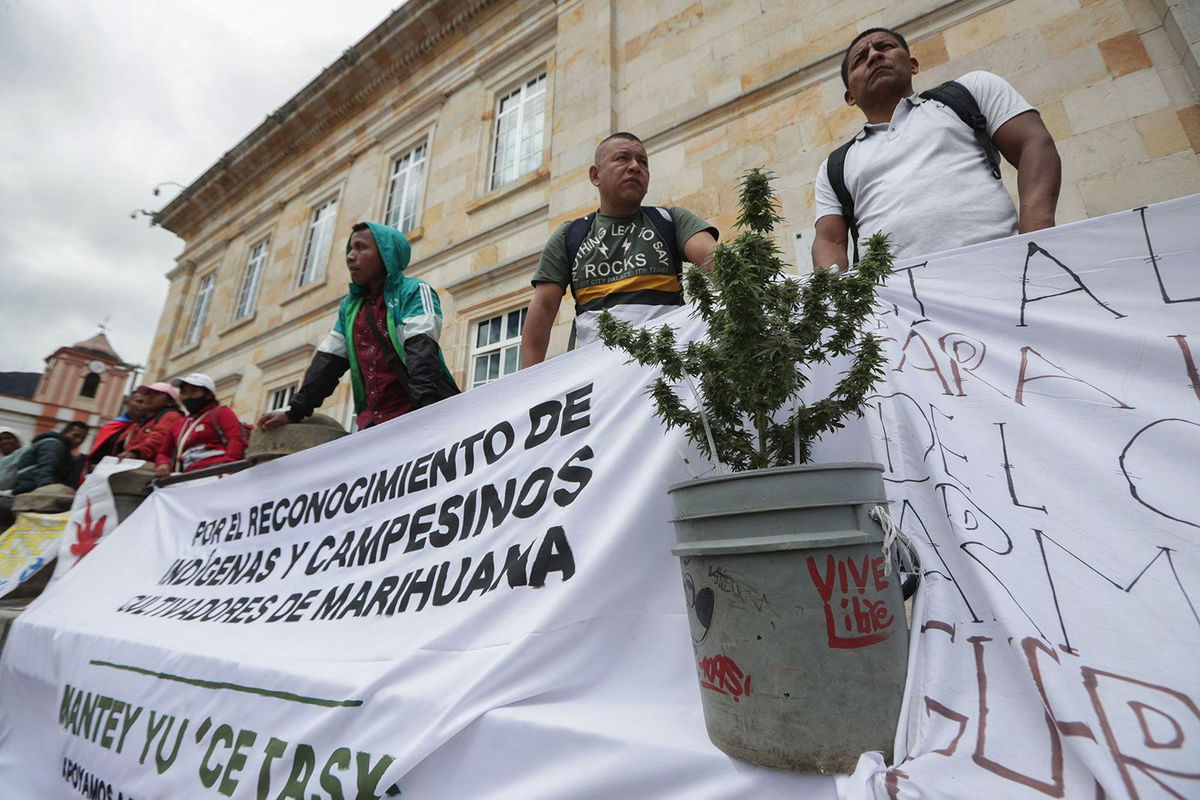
394,249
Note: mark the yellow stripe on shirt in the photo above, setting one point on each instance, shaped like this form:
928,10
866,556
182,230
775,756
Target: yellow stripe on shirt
638,283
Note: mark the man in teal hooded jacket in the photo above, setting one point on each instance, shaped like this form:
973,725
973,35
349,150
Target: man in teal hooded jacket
386,334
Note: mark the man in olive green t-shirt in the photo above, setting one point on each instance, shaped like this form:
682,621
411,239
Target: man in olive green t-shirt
623,264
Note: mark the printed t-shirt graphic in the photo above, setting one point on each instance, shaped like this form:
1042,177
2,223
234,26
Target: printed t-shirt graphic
623,265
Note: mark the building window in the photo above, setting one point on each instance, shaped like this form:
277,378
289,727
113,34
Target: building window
316,247
282,398
404,190
91,383
248,294
519,126
497,350
200,309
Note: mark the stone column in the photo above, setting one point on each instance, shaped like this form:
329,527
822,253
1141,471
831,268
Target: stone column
584,83
1181,21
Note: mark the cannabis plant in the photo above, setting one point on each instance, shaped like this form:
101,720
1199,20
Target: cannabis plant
764,330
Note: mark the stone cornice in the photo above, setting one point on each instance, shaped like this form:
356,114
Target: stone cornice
343,88
183,266
493,275
227,382
287,357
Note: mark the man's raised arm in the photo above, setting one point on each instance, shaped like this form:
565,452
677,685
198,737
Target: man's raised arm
328,365
543,308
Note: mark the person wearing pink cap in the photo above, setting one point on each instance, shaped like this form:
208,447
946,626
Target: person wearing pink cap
160,412
210,434
108,437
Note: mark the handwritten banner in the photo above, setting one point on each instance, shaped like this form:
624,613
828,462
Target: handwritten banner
1040,434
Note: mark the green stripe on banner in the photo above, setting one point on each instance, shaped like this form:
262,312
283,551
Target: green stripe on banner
293,698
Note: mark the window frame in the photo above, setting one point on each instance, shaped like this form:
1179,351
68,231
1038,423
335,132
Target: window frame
205,288
495,180
501,347
246,303
286,391
304,276
409,189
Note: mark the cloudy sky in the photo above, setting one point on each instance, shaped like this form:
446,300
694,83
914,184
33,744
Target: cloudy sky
100,102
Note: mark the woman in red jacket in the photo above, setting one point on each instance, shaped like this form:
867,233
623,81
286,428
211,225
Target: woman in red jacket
210,434
160,412
108,441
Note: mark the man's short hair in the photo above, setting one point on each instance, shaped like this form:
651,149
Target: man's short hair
618,135
83,426
846,57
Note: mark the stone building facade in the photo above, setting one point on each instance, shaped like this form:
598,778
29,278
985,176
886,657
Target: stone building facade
470,124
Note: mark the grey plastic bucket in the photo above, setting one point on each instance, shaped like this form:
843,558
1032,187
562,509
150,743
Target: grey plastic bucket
801,642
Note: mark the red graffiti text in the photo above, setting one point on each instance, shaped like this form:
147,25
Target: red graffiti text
856,613
720,674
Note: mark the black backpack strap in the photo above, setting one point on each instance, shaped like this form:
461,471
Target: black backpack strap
661,219
960,100
835,170
577,231
221,434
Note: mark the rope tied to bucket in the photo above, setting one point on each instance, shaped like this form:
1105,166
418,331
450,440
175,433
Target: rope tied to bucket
892,533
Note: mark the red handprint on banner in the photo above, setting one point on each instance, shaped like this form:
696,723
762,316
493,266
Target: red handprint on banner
87,534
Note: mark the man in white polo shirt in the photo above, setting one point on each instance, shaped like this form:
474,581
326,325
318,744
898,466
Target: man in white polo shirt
920,172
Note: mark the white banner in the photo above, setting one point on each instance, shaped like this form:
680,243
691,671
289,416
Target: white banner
478,599
475,600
